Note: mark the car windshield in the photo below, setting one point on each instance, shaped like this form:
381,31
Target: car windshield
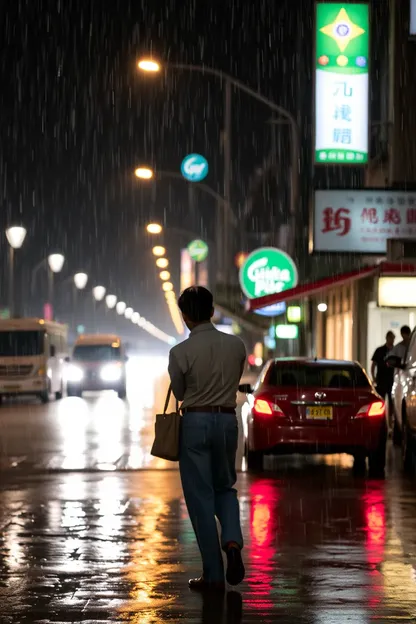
316,376
96,353
21,343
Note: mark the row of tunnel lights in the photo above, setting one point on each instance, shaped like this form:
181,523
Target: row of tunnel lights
162,263
99,293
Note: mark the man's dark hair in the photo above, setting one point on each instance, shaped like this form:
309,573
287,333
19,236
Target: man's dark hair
390,334
405,330
196,303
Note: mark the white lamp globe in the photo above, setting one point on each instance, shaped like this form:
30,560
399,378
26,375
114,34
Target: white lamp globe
121,307
98,292
111,301
15,236
56,262
135,317
128,313
80,280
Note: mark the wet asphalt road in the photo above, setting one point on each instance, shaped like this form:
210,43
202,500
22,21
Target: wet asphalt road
92,529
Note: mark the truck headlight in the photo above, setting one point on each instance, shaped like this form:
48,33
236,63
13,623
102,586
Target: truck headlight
110,373
75,374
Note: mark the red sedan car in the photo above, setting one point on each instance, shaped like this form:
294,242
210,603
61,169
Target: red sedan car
302,405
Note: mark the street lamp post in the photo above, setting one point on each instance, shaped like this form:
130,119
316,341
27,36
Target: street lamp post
80,281
150,65
146,173
55,264
15,237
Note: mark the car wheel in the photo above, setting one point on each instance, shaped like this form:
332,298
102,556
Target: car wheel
359,466
397,434
122,393
44,397
377,459
254,460
59,394
407,448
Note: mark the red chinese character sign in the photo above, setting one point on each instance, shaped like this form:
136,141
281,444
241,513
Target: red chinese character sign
362,221
341,83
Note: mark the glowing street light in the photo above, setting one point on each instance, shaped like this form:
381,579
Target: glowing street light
135,317
154,228
322,307
80,280
164,275
111,301
162,263
167,286
56,262
98,292
158,250
128,313
121,307
148,65
144,173
15,236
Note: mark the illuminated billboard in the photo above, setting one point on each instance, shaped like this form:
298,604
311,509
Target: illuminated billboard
341,83
413,18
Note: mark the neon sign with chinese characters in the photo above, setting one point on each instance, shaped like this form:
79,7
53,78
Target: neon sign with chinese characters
341,83
362,221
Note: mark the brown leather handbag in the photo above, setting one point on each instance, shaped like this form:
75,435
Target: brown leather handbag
167,432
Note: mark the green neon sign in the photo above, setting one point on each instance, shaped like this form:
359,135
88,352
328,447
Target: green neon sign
287,332
341,83
198,250
267,271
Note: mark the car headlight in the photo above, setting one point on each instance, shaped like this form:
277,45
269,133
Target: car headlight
75,374
110,373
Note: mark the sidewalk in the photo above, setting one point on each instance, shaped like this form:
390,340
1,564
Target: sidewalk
117,547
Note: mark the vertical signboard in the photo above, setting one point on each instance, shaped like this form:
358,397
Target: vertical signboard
202,279
412,18
341,83
187,270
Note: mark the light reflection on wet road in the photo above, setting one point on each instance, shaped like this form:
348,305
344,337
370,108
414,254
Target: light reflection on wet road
113,545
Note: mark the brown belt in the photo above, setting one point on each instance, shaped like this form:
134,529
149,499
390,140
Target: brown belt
217,409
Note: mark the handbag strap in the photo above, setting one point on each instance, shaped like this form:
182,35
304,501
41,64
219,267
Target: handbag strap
169,394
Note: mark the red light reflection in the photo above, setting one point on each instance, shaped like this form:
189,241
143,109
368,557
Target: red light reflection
262,550
375,527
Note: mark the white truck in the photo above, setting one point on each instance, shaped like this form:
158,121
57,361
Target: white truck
32,358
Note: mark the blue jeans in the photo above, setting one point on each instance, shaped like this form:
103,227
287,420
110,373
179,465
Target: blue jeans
207,466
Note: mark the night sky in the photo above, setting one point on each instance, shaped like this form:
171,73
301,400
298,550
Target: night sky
76,118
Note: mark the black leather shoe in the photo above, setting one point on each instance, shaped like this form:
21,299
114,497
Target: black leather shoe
235,567
200,584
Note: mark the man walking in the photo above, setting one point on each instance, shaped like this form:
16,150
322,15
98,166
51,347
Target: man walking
400,349
205,371
381,373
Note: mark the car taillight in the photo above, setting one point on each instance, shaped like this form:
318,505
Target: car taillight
378,408
262,407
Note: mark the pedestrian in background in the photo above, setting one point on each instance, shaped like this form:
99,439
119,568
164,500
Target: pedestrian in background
400,349
381,373
205,371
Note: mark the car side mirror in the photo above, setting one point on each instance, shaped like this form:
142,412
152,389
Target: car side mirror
394,361
67,359
245,389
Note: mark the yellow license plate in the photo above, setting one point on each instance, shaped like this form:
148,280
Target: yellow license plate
319,413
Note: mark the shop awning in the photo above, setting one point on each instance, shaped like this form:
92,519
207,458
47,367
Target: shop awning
313,288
